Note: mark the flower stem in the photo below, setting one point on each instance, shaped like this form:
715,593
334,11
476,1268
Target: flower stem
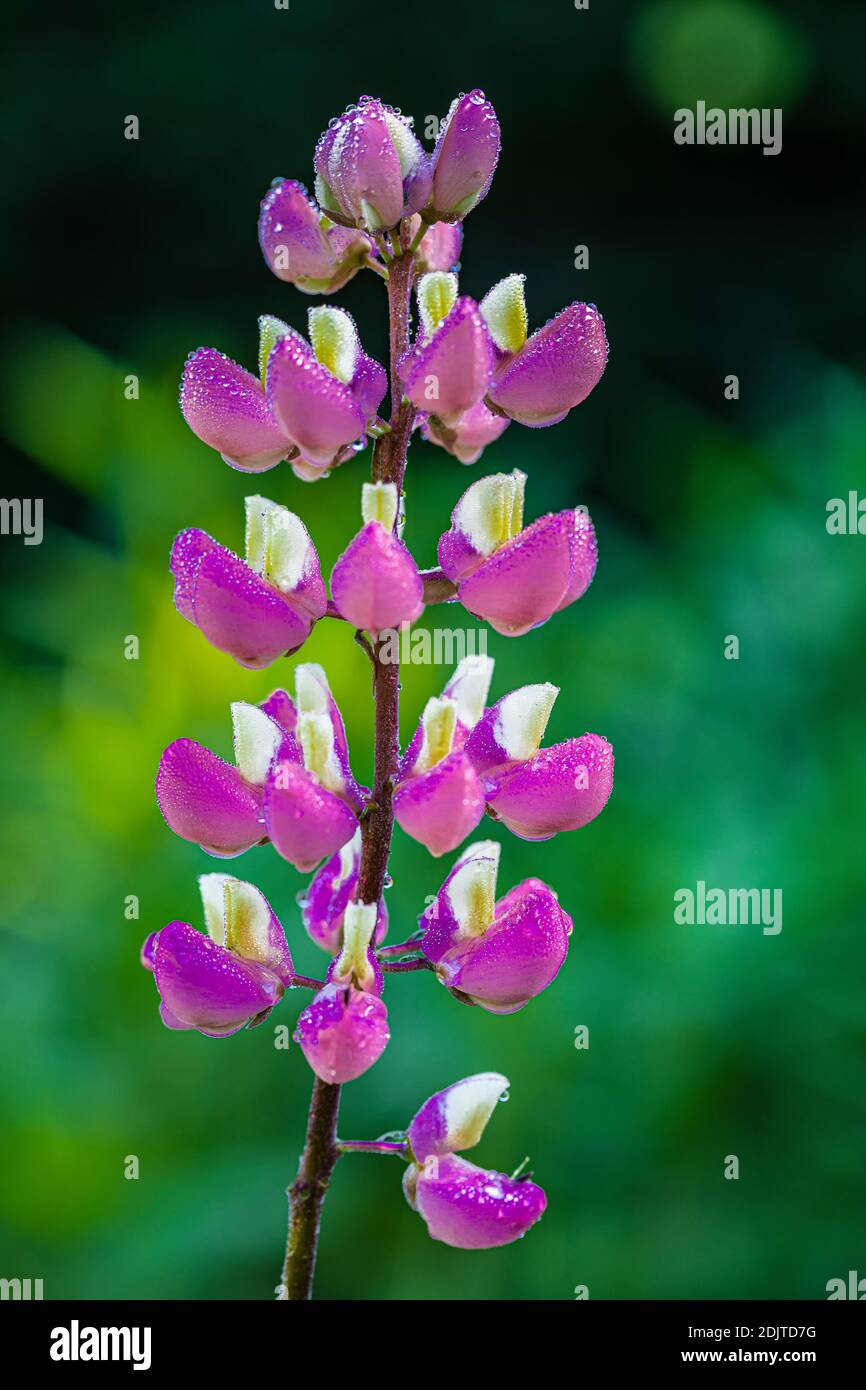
321,1150
307,1192
419,964
371,1146
402,948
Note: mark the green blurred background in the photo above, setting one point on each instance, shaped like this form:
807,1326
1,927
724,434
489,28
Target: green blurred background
704,1041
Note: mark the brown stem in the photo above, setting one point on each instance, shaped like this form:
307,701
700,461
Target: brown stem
307,1192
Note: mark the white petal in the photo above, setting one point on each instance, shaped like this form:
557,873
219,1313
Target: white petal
469,1105
334,340
521,719
257,738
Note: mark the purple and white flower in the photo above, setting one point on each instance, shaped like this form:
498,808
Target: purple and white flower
375,583
465,1206
345,1028
229,979
498,953
515,577
439,798
259,608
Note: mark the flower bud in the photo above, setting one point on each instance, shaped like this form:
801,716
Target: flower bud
302,246
311,799
554,370
345,1029
464,159
325,393
438,799
227,408
370,169
449,372
439,247
206,800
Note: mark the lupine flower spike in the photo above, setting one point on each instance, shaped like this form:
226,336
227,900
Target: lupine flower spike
384,203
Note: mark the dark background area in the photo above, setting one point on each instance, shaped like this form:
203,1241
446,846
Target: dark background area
121,257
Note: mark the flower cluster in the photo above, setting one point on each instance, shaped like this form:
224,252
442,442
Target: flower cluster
381,201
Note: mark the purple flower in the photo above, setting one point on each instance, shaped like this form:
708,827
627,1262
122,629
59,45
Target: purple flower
464,159
259,608
302,246
463,1205
371,171
515,578
538,380
537,792
451,365
324,904
212,803
230,978
345,1029
496,953
439,797
227,408
323,394
375,583
311,799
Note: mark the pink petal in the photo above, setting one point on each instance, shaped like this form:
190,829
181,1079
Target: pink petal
441,807
368,385
316,411
560,788
439,248
239,612
469,437
299,250
304,821
555,369
207,801
526,580
518,956
343,1032
226,407
325,902
187,553
455,1118
472,1208
451,373
375,583
204,986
